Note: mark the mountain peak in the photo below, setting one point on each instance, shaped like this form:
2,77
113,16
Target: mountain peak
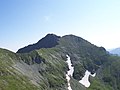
51,35
49,41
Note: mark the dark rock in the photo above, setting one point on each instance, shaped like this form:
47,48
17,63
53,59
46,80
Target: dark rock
49,41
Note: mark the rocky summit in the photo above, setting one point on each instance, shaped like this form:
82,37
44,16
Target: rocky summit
47,65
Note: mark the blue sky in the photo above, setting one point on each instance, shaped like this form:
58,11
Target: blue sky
24,22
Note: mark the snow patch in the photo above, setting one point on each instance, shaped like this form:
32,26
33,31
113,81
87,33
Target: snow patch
71,68
93,75
85,80
69,72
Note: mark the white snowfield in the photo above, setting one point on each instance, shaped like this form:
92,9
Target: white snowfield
71,68
69,72
85,80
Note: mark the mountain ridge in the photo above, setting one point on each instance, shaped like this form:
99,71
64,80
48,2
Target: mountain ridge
45,68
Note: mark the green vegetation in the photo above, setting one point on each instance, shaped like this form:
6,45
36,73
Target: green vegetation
55,68
84,55
45,68
96,84
75,85
9,79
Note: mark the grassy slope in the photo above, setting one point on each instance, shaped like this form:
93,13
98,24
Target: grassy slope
108,76
85,55
9,79
52,69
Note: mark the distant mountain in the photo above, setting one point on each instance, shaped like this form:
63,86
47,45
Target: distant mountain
115,51
43,66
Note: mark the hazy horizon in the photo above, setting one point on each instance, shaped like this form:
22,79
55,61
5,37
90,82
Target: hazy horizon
24,22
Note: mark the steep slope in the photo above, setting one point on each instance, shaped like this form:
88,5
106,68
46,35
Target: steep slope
84,55
38,70
108,76
45,67
10,79
48,67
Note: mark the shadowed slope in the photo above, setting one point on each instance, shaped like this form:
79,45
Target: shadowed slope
49,41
